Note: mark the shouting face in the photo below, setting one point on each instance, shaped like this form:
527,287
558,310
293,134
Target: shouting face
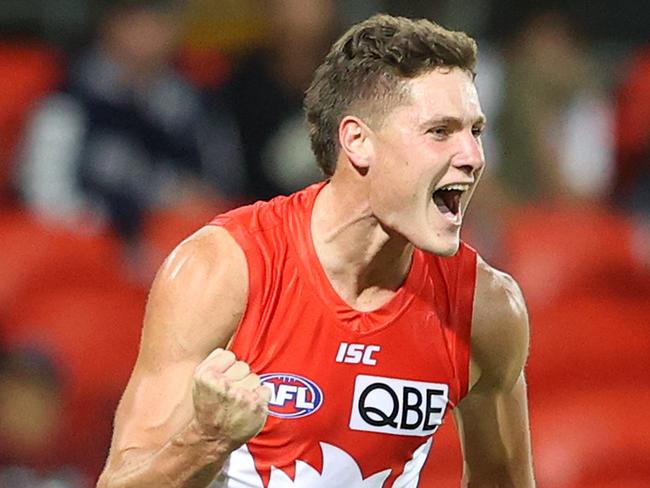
427,158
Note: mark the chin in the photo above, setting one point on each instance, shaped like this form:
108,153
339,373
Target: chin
446,251
440,246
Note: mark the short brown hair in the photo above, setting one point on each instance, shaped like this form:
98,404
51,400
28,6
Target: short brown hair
364,72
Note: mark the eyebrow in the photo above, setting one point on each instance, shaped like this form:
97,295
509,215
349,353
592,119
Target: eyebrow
453,121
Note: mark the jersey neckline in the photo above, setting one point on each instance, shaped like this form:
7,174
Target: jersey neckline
360,321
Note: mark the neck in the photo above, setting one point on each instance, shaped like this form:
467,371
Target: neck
365,263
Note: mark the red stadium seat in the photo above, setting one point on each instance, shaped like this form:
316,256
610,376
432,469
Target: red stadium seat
204,67
587,341
552,250
590,337
93,335
639,481
94,332
37,258
165,229
27,72
587,438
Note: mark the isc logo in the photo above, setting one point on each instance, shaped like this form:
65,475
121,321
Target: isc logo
400,407
356,353
292,396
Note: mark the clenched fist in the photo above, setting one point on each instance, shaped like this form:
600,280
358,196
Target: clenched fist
229,402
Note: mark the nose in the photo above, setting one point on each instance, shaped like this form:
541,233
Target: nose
469,157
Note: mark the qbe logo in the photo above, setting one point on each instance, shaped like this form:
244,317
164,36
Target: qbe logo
292,396
399,407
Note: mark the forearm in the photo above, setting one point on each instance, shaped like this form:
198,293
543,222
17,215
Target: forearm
498,465
496,440
500,477
188,460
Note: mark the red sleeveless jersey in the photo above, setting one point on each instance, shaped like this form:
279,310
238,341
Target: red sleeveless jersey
356,396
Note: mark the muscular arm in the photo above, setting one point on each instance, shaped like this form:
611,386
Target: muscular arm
493,418
160,438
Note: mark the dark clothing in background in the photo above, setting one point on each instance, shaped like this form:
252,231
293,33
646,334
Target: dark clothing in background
268,116
135,142
130,148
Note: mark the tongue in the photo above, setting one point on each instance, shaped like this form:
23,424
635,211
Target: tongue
447,200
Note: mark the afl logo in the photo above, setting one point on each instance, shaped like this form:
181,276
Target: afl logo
292,396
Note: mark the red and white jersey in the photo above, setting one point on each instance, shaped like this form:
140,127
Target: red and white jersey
356,396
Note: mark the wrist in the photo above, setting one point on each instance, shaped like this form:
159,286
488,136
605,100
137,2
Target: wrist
187,457
212,443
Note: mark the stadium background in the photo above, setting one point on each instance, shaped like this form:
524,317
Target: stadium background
89,205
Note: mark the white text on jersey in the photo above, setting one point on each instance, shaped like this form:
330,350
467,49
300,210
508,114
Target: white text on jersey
357,353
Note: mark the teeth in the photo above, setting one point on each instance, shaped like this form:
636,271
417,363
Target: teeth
455,186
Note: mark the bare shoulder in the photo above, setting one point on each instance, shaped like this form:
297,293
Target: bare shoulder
194,307
500,331
198,295
209,250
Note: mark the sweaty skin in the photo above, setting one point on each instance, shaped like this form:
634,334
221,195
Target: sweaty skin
493,418
188,403
186,408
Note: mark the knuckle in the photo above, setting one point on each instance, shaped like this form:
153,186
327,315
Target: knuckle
243,366
203,376
227,355
214,384
240,396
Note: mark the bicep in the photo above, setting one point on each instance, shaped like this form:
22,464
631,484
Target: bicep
194,306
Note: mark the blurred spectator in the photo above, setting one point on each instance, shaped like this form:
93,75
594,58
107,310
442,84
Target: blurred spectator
555,124
31,413
127,133
264,97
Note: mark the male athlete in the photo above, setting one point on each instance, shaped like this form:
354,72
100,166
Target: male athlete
318,340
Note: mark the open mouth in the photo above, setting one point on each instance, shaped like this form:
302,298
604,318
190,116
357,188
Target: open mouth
447,199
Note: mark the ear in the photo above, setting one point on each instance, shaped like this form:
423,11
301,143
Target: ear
355,142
